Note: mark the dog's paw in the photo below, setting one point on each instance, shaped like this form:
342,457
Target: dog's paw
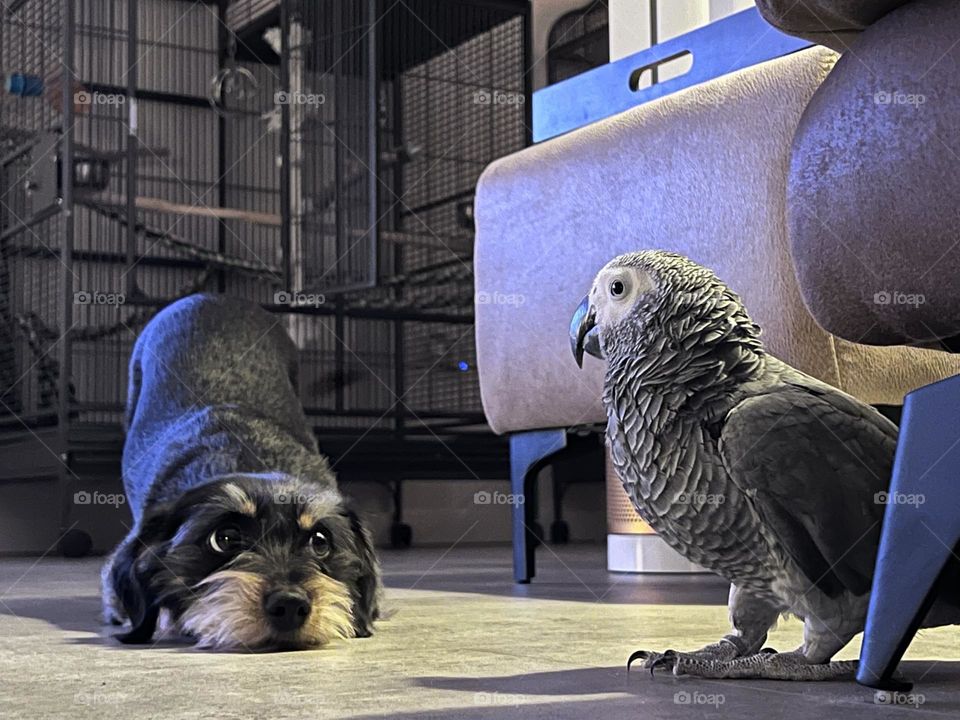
112,615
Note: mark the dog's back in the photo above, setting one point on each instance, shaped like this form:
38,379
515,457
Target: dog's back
212,350
212,378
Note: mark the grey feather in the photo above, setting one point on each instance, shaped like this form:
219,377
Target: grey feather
814,475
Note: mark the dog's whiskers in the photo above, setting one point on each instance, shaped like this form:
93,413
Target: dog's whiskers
227,614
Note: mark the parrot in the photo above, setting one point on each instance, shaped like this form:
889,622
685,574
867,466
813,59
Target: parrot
751,469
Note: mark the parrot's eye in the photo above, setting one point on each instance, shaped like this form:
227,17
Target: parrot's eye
617,288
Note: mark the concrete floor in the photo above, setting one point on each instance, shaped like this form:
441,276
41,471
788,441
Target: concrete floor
464,643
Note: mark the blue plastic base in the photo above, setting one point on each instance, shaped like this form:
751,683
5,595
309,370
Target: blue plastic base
920,531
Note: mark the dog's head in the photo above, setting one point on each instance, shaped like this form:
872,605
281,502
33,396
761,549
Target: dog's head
251,561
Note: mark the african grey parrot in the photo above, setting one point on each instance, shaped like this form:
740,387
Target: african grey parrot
744,465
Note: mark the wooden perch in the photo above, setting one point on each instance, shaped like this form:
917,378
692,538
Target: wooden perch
458,245
151,204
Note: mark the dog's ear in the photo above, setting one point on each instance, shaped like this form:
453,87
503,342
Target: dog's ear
131,571
366,602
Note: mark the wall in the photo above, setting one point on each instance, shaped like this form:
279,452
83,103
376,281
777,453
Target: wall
545,13
442,513
630,20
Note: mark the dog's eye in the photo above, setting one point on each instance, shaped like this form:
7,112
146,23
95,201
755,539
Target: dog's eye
319,543
225,540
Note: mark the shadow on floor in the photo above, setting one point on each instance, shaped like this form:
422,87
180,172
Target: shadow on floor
638,695
581,681
68,613
76,614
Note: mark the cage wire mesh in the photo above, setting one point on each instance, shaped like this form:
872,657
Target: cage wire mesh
384,115
30,272
445,98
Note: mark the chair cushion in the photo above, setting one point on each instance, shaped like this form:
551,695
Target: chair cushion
873,184
834,23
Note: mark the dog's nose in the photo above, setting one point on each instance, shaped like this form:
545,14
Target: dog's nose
287,609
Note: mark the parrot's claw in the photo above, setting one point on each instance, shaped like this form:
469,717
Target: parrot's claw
651,660
645,655
674,661
669,660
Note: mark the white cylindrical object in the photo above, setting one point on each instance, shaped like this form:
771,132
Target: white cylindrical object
632,546
646,553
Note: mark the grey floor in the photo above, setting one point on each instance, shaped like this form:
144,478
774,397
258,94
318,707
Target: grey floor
464,642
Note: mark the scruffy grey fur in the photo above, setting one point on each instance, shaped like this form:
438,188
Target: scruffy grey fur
216,434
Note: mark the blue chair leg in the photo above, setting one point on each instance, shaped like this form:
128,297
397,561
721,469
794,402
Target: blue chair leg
921,528
528,453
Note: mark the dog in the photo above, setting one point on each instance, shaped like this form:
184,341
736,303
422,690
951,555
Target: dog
240,539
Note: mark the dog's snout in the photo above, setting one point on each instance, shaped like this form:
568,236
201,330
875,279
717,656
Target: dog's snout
287,609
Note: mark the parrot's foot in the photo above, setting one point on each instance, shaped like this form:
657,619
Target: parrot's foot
725,650
766,664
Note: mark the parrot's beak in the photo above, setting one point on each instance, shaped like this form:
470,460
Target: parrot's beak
583,332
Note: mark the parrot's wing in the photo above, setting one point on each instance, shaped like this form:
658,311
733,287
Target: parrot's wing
813,462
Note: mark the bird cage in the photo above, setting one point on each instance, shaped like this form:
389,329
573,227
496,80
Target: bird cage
317,157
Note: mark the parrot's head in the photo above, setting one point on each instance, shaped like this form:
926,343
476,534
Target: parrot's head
657,299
